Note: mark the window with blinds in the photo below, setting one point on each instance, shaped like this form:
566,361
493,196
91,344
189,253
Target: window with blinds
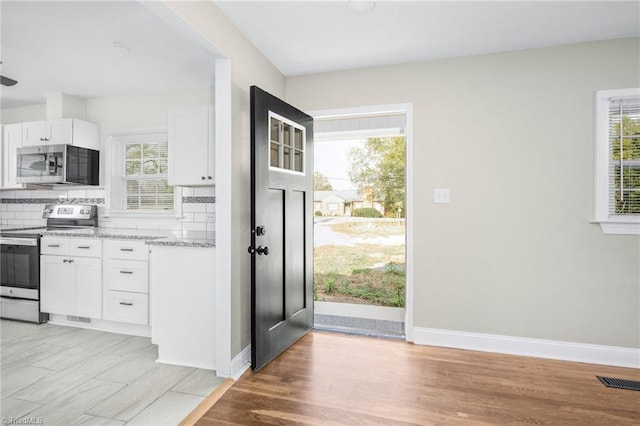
624,156
144,181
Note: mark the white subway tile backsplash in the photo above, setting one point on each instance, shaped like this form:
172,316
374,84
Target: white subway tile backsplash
78,193
203,192
95,193
200,217
197,206
33,208
186,217
194,226
194,207
24,194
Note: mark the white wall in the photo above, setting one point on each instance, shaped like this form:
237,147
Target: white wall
512,136
248,67
21,114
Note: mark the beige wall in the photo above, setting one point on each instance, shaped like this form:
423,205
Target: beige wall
512,136
248,67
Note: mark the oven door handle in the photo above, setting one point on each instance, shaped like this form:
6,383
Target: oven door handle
18,241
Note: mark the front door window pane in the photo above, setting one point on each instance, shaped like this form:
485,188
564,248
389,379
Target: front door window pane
287,145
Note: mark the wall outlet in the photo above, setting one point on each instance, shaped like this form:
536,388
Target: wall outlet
441,195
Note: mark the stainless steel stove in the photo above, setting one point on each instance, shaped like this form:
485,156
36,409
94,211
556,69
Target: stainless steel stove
20,260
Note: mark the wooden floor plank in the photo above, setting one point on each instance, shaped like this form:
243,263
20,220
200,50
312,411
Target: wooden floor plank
334,379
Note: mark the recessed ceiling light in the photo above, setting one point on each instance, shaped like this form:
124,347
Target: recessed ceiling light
361,6
120,49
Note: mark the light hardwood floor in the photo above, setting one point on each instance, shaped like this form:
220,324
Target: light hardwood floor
70,376
334,379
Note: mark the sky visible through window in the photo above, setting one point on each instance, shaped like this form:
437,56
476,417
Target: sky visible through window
331,158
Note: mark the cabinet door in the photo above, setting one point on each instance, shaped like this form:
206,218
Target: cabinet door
11,141
57,286
88,287
190,137
34,133
60,131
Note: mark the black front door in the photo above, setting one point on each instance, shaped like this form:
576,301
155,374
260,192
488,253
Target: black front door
282,226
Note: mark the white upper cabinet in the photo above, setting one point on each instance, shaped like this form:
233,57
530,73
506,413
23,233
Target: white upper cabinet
191,146
70,131
11,141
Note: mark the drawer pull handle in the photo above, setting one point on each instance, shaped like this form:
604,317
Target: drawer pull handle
126,303
84,247
126,249
126,272
53,245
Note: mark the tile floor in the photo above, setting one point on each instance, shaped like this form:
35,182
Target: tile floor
55,375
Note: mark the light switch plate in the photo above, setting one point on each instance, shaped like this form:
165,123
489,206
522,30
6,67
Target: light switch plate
441,195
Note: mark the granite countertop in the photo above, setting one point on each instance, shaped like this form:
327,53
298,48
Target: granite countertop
149,236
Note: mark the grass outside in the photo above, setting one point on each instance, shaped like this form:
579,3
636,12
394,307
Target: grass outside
362,273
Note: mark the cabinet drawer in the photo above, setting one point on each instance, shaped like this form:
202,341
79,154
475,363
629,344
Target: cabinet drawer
127,250
53,245
126,307
85,247
128,275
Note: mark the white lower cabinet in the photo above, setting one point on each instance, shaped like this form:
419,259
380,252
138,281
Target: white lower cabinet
71,284
126,307
126,293
182,282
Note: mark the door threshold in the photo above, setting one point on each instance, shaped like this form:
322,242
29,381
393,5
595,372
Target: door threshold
360,326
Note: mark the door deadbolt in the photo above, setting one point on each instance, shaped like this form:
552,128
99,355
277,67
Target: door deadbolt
261,231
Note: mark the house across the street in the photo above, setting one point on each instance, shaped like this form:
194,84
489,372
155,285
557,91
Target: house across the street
342,203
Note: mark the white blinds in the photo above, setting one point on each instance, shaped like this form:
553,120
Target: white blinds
379,125
624,156
145,176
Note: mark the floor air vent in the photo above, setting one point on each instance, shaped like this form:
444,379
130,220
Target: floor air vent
620,383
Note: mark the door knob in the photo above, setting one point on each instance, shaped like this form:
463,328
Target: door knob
263,250
251,250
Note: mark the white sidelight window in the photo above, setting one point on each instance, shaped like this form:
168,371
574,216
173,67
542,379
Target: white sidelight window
617,174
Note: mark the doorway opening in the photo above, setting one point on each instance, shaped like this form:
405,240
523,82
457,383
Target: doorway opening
360,228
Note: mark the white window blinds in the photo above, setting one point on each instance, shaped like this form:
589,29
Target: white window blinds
624,156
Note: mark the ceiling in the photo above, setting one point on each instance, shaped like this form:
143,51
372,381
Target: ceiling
67,47
306,37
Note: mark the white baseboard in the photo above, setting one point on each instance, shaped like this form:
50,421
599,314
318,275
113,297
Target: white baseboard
241,363
183,364
552,349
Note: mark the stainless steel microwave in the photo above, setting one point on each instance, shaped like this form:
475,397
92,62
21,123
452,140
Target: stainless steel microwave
58,164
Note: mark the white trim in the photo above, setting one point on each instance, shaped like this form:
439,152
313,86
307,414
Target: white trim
539,348
353,310
407,109
240,364
113,157
223,163
610,225
183,364
293,148
619,227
